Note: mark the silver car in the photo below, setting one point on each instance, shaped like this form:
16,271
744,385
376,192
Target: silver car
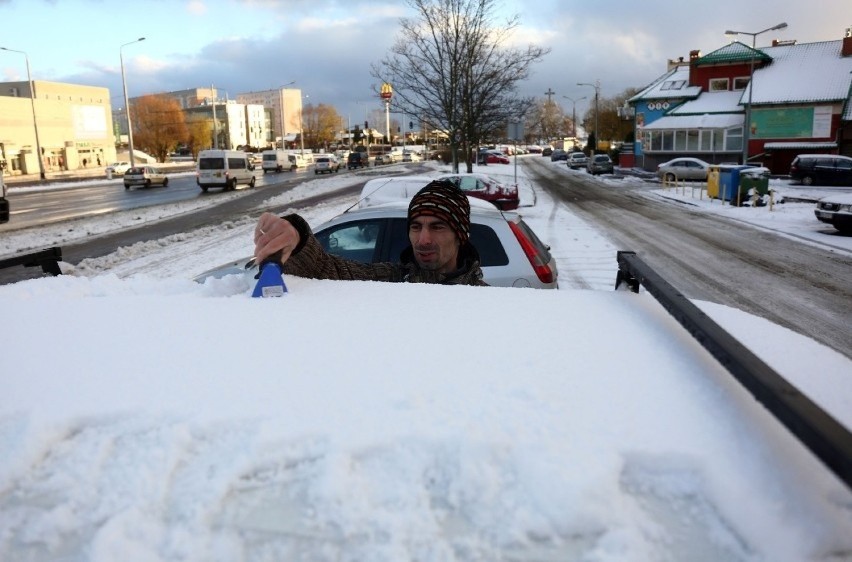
576,160
144,176
511,254
683,169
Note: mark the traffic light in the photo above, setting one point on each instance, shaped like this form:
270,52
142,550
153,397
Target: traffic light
410,125
366,125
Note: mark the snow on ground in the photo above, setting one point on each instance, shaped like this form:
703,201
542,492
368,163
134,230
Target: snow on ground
146,417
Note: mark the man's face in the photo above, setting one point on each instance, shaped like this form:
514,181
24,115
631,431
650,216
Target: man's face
436,247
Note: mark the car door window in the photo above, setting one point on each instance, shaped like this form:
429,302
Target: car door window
358,241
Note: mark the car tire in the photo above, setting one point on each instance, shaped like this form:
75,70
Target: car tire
126,186
233,185
147,184
251,182
669,177
165,182
807,180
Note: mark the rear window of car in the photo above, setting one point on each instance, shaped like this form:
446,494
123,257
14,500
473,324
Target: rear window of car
323,160
483,238
211,164
132,171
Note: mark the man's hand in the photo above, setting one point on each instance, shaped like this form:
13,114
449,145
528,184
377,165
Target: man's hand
272,234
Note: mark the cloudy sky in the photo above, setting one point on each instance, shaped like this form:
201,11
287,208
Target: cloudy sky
327,46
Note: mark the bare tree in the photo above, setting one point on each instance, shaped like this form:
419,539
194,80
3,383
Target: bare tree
451,67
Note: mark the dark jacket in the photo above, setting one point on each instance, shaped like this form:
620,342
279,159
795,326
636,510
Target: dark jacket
309,259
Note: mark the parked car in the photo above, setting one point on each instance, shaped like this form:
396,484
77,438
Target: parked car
683,169
836,210
558,154
357,160
576,160
485,187
409,156
510,252
822,169
547,151
492,156
382,159
144,176
326,164
117,168
599,164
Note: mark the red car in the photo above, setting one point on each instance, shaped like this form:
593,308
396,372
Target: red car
481,186
496,158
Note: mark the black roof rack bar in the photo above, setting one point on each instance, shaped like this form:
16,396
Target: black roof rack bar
48,260
829,440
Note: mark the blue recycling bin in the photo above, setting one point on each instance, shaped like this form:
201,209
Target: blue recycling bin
729,182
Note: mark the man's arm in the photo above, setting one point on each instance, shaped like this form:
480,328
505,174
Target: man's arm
304,256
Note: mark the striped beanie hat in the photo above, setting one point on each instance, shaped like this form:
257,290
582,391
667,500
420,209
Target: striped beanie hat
443,200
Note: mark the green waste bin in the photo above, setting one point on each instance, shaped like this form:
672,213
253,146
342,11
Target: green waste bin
754,178
713,172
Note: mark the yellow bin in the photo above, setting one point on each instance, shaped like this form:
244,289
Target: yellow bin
713,173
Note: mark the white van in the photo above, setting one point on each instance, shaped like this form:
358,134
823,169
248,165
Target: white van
274,161
224,168
391,188
297,161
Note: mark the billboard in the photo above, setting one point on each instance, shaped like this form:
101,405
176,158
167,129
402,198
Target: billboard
791,123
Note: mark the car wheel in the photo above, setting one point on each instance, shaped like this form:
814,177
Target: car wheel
165,182
204,188
147,184
670,177
807,180
251,182
233,185
126,186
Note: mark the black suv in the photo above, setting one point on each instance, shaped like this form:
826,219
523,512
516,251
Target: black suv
357,160
822,169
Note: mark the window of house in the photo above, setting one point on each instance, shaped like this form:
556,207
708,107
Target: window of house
719,142
668,140
680,140
692,141
718,84
740,83
656,140
706,141
734,139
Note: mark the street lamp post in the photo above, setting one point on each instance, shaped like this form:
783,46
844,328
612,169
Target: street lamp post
574,116
32,104
126,100
597,87
747,121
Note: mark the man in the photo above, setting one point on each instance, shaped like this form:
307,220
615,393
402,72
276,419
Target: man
438,229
